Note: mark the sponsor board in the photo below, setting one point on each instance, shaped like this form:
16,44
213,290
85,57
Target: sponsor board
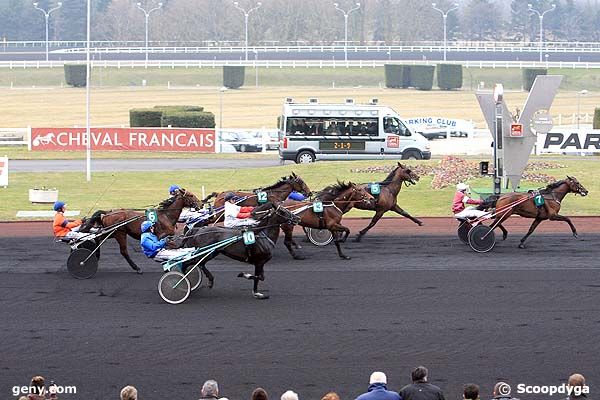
516,130
393,141
4,171
569,141
124,139
449,124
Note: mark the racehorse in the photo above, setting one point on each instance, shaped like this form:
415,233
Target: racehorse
269,217
337,200
168,213
387,198
553,195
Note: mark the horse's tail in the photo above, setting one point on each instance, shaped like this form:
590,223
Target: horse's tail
210,196
94,221
488,203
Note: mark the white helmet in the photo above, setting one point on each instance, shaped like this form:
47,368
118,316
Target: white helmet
461,187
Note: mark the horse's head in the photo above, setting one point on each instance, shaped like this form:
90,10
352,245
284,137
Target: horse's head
274,214
189,198
360,194
404,173
299,185
575,186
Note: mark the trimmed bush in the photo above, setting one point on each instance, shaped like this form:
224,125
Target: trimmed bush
406,76
394,75
145,118
421,76
75,75
233,76
449,76
596,118
179,108
529,75
192,119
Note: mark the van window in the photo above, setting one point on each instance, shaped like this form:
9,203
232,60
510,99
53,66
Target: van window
395,126
332,126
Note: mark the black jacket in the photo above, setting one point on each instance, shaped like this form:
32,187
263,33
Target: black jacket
421,391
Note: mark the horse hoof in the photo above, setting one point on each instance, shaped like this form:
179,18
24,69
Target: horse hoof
139,271
420,223
245,275
299,258
576,236
298,247
211,283
345,258
504,237
357,239
260,296
521,246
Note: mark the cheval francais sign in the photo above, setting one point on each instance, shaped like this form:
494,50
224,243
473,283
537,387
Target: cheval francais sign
124,139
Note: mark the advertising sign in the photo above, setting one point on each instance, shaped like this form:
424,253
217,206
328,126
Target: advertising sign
569,141
4,171
516,130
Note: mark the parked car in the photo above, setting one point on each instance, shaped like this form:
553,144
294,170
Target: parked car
242,141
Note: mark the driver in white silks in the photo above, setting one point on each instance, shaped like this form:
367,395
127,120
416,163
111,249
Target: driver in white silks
459,204
237,216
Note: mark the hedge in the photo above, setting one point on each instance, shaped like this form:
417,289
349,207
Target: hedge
406,76
597,118
529,75
75,75
145,118
179,108
449,76
233,76
421,76
394,75
192,119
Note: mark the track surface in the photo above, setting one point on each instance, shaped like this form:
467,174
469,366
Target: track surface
529,316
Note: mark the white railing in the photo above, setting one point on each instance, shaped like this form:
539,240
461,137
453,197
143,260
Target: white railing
14,136
571,119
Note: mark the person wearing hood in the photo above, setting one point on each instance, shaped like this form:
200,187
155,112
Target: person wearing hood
378,389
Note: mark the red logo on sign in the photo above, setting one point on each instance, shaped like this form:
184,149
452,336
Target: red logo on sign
393,141
516,130
124,139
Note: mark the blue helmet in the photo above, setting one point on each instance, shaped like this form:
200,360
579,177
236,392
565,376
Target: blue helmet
173,188
229,196
59,205
146,225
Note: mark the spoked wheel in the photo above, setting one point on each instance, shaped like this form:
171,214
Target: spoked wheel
319,237
173,287
90,245
482,238
194,277
463,231
82,264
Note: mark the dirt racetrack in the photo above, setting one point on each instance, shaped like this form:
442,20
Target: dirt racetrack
413,297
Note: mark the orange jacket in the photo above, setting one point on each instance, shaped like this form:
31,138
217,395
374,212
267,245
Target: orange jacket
62,226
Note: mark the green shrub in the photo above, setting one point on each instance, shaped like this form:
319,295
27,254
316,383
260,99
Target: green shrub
192,119
449,76
597,118
406,71
233,76
529,75
145,118
394,75
75,75
179,108
421,76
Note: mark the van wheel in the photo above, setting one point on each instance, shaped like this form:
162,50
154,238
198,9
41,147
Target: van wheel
411,155
305,157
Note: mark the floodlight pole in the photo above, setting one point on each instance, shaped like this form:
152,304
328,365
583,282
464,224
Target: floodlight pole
246,15
445,18
346,14
47,18
541,17
147,15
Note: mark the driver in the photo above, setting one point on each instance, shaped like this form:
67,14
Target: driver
155,248
62,227
173,190
461,199
237,216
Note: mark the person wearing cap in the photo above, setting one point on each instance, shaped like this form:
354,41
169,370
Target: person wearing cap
237,216
378,389
173,189
460,201
62,227
297,196
153,247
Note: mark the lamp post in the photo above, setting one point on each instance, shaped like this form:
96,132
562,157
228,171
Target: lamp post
541,17
147,15
579,94
346,14
246,15
445,18
47,17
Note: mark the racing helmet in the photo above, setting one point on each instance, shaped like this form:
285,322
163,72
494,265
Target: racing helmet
229,196
173,188
146,225
462,187
59,205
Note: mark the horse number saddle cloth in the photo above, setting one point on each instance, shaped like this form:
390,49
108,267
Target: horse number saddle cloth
538,198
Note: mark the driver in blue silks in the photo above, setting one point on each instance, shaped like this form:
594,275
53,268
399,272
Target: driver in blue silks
154,247
173,189
296,196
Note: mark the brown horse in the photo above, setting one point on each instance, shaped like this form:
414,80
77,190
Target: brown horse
168,213
337,200
387,198
553,195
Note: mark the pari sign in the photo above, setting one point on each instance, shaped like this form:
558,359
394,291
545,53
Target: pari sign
124,139
569,141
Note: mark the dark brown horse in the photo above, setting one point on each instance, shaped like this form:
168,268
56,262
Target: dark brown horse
337,200
553,196
168,213
387,198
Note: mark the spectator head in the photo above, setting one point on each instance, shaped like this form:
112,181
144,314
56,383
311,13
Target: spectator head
378,377
471,391
419,374
129,393
210,389
289,395
576,380
38,385
501,389
259,394
331,396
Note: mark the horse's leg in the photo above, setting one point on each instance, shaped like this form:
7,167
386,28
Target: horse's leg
504,231
498,222
288,241
259,275
531,229
121,238
400,211
558,217
337,240
376,218
209,275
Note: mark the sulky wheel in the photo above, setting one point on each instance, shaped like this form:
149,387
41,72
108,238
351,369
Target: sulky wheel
82,264
463,231
173,287
194,277
319,237
482,238
90,245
